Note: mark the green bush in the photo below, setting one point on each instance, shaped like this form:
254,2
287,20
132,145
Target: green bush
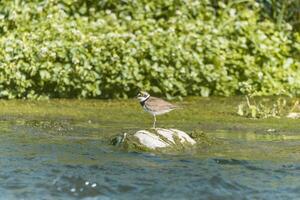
281,11
109,49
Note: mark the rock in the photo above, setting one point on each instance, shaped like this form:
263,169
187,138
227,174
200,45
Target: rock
150,140
155,139
293,115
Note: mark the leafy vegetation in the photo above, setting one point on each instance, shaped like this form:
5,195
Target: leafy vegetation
111,49
263,108
258,108
282,11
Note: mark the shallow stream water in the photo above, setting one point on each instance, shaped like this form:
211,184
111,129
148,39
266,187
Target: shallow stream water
60,149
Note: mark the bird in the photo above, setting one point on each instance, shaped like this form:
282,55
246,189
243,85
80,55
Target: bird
153,105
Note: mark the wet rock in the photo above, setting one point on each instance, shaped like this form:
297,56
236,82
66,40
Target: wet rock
150,140
155,139
293,115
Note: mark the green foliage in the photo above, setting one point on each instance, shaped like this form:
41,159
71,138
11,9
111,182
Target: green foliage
111,49
264,108
282,11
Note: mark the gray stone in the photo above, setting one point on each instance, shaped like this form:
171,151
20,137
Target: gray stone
154,140
150,140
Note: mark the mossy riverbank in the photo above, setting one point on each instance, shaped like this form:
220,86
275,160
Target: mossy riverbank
225,133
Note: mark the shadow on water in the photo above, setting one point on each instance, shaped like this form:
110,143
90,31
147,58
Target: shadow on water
59,150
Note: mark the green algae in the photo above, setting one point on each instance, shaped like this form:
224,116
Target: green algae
213,122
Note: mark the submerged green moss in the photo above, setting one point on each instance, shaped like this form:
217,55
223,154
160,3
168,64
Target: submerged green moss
50,125
204,140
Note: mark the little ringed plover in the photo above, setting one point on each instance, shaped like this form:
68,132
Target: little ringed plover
154,105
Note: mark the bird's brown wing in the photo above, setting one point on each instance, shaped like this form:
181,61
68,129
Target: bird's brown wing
157,104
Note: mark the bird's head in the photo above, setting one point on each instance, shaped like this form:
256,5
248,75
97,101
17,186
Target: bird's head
142,96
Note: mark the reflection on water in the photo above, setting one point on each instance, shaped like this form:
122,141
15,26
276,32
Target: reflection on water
68,157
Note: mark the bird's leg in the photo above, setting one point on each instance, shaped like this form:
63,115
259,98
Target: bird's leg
154,121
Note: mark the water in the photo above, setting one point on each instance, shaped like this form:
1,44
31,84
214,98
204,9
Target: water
60,150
